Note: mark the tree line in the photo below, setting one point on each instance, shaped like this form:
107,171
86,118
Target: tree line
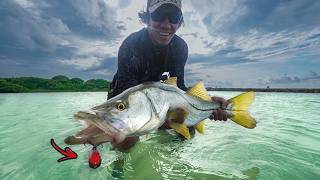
58,83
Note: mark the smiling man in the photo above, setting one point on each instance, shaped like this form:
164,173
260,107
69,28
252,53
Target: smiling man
154,54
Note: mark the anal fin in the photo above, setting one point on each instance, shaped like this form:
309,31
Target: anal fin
200,127
181,129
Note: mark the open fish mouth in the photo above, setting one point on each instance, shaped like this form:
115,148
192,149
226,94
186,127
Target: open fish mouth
96,132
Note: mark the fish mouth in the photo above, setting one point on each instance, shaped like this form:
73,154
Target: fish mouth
97,130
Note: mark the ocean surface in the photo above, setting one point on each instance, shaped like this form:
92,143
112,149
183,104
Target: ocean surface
284,145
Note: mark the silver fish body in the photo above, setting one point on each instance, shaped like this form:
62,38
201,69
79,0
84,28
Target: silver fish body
145,110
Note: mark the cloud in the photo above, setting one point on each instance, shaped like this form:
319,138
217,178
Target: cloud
82,63
45,26
238,16
38,33
286,14
90,54
231,43
216,15
124,3
196,72
89,18
21,30
254,30
265,46
312,77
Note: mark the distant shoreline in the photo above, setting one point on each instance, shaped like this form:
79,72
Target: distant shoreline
292,90
61,83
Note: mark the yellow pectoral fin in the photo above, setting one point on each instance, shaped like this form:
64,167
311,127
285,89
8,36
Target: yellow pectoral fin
181,129
200,127
244,119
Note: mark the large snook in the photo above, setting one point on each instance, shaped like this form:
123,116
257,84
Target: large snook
144,108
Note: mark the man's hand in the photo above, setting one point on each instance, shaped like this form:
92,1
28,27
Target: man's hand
219,114
125,145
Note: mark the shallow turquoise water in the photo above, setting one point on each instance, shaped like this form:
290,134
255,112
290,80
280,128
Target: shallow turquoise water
284,145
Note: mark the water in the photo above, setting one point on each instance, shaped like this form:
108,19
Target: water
284,145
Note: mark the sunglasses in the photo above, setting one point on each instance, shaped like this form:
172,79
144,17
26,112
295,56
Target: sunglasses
174,17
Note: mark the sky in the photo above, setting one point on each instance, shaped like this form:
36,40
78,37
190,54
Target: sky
232,43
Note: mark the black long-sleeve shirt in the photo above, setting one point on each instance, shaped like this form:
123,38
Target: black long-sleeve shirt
139,61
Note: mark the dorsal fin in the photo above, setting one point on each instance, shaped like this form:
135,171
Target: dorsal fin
171,81
199,91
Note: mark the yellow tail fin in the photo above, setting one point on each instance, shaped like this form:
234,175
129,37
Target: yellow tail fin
239,105
244,119
242,101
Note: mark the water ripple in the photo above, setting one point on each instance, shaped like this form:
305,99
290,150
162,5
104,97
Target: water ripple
284,145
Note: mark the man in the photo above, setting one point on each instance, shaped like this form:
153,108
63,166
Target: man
153,54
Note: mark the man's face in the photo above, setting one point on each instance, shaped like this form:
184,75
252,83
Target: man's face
163,24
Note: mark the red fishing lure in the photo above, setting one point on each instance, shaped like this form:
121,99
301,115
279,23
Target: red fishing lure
94,158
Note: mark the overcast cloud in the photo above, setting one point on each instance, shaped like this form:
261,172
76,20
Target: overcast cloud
233,43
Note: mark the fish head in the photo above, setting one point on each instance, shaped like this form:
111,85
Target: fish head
119,117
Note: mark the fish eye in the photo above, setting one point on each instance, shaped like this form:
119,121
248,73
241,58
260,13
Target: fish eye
121,106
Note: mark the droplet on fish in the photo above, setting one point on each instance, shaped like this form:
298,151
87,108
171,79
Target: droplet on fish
94,158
